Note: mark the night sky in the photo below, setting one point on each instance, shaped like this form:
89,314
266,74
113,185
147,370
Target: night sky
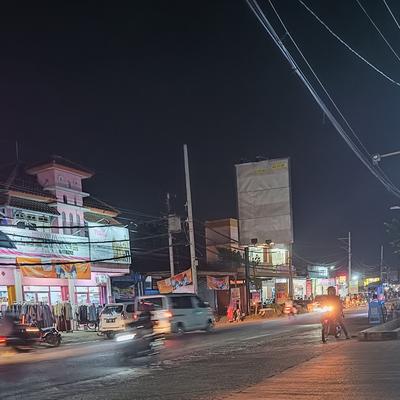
120,88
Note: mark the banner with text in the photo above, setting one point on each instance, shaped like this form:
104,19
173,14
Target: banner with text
34,268
218,283
109,243
16,242
179,283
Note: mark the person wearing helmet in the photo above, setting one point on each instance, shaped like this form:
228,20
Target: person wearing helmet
333,300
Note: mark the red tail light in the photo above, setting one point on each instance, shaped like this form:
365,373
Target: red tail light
3,340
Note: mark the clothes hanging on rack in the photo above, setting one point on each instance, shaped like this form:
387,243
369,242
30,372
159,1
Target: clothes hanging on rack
82,314
14,308
63,316
36,313
93,313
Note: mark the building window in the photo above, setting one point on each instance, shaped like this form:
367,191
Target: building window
69,184
65,200
87,295
60,178
75,201
64,222
78,223
71,223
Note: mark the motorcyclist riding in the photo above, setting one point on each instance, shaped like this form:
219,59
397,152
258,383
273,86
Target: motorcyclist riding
337,308
144,324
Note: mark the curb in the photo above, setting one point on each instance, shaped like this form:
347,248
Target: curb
387,331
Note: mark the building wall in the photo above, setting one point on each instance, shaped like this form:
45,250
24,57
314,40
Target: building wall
220,233
61,183
68,190
59,177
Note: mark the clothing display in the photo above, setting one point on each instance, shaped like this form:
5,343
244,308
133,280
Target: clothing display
63,316
86,314
3,310
39,314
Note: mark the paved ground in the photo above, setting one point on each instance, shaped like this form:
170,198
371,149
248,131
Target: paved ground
196,365
356,370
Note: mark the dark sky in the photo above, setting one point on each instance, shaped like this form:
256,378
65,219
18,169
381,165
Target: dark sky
120,87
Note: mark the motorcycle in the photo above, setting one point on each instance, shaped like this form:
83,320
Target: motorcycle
22,338
330,325
26,337
50,336
138,341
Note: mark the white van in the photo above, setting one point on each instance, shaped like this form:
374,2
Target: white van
178,313
115,316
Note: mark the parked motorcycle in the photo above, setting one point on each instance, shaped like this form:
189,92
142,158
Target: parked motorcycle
50,336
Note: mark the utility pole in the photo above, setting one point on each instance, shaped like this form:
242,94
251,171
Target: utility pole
349,261
290,260
349,256
193,260
381,265
247,278
171,249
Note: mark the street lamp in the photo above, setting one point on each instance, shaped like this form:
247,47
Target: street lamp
376,158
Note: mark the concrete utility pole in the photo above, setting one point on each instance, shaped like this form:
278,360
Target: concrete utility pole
193,260
349,261
170,245
349,256
381,265
247,278
290,262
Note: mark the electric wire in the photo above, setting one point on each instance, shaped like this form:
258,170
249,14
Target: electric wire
346,45
366,161
378,30
391,13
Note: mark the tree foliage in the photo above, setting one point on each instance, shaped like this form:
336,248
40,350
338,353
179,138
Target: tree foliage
230,257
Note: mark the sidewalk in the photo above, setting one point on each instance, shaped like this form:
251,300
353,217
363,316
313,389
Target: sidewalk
77,337
349,370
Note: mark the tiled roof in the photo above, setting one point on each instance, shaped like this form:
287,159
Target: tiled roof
26,204
92,202
14,177
58,160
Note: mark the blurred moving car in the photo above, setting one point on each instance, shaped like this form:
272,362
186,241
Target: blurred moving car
115,317
178,313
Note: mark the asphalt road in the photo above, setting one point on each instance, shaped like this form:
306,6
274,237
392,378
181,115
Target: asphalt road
196,365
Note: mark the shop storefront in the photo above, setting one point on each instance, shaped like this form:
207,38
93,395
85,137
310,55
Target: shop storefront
299,288
51,268
320,285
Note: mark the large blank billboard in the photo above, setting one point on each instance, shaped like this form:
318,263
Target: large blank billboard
264,201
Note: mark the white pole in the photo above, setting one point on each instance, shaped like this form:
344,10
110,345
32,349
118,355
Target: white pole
349,260
381,265
190,219
171,250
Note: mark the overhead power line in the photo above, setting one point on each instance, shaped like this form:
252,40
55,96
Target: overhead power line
28,264
391,13
379,71
364,158
378,30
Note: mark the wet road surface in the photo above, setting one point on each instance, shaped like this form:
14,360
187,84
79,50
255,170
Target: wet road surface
196,365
